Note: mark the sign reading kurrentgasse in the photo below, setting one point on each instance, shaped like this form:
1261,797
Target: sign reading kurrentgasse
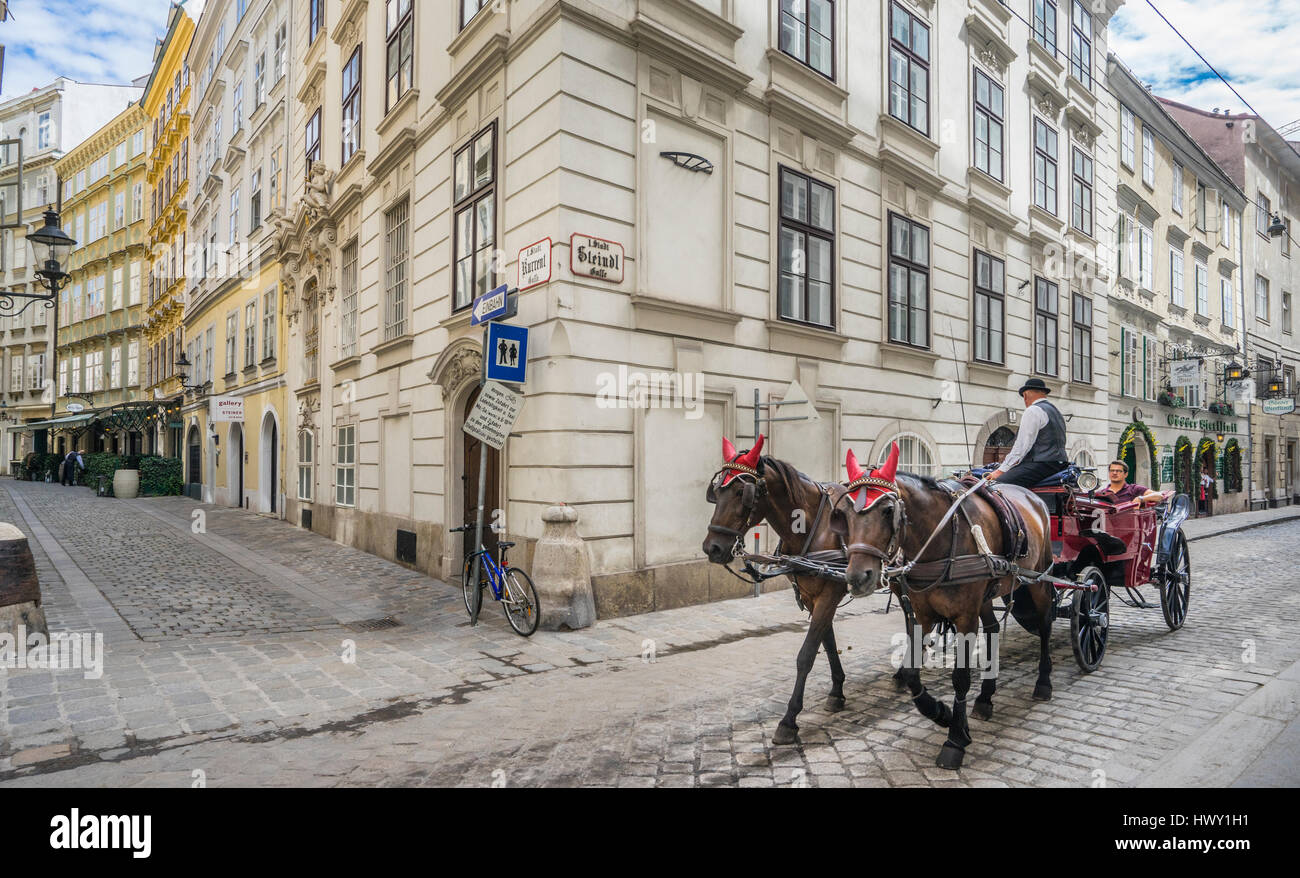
535,264
596,257
227,410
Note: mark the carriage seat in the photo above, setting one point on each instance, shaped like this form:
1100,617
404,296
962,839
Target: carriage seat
1058,479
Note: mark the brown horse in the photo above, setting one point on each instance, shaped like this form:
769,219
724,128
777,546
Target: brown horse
888,519
749,489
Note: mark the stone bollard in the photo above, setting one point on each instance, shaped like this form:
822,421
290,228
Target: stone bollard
562,572
20,594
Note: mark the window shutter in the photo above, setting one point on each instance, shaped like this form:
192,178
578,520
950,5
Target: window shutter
1123,361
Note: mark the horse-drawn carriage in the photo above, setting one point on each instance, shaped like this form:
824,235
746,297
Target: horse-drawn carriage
1102,547
947,550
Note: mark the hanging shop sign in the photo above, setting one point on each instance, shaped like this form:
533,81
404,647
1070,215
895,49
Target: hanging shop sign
1279,406
227,410
1185,373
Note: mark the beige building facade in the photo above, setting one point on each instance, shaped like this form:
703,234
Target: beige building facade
897,210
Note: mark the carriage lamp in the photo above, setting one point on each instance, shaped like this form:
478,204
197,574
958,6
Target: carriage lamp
1219,438
1277,228
1234,372
1087,481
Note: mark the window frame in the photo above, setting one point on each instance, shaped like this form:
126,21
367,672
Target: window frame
1148,157
474,194
987,112
911,58
1201,286
1042,39
807,38
345,488
1046,340
1081,338
393,36
311,140
1262,284
315,19
306,465
991,295
911,266
352,107
348,341
397,296
1077,183
808,230
1048,160
1076,8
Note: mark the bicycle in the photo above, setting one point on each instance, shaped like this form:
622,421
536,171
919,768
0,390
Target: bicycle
511,587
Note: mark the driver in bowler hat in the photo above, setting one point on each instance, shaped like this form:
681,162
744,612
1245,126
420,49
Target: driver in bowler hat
1039,451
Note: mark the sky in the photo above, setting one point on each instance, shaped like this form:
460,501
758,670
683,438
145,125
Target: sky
104,41
1255,44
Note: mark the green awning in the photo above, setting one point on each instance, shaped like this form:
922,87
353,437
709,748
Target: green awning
71,421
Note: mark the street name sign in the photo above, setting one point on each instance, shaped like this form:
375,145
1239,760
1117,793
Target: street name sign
490,306
494,414
596,257
505,353
535,264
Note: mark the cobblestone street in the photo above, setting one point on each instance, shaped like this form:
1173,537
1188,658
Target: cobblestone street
226,653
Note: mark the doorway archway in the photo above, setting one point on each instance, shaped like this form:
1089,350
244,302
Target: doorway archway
998,445
268,480
194,481
235,464
469,481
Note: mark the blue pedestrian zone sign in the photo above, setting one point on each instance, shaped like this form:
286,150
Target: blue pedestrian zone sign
506,352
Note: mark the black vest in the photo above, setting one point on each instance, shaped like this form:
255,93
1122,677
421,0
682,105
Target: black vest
1049,446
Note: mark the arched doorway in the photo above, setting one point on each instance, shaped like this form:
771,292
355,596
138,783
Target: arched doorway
1205,463
235,464
194,487
1138,450
269,454
998,445
469,481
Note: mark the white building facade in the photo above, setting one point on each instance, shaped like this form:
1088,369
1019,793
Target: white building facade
894,209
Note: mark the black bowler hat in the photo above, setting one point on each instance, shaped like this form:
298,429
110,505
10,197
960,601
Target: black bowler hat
1034,384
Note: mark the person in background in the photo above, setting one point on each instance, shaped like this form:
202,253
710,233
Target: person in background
1207,490
71,465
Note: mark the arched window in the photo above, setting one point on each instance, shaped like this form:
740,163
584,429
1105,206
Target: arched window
914,455
1083,458
306,464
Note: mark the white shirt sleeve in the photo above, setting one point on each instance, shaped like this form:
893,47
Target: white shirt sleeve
1033,420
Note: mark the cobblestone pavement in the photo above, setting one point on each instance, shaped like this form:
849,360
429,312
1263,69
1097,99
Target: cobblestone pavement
686,697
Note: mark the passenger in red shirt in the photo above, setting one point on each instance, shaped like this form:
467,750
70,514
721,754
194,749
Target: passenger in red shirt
1120,491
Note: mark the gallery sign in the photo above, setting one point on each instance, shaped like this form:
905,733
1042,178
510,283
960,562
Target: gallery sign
227,410
596,257
535,264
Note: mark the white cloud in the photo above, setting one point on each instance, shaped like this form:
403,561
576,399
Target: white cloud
105,41
1252,43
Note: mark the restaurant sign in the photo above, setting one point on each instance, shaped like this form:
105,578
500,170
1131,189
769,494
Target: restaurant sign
1203,425
1278,406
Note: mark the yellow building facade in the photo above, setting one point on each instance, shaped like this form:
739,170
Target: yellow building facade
166,108
101,313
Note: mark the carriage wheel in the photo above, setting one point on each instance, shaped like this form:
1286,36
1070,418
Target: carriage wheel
1176,583
1090,621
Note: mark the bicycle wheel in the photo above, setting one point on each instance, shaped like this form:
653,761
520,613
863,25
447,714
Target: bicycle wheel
519,600
473,595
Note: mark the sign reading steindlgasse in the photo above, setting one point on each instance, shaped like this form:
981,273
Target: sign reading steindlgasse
596,257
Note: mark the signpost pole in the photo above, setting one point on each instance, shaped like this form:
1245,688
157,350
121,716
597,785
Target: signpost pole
482,494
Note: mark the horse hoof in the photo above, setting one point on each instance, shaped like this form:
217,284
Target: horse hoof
834,703
950,756
1042,693
983,709
785,735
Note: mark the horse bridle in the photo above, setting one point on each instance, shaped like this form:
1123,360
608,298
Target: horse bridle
895,500
753,490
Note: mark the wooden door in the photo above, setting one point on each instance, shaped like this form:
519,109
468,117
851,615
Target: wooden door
469,479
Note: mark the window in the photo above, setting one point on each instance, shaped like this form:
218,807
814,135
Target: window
281,43
234,217
115,368
1148,156
807,33
395,253
209,360
76,374
315,19
44,129
306,456
1045,24
255,201
348,317
807,243
119,210
1146,257
1225,224
276,191
1081,44
1126,136
232,342
1127,256
1263,211
95,296
1261,299
268,324
352,105
1202,288
237,108
63,377
1081,190
1081,338
259,80
1176,277
909,69
345,468
401,49
909,282
133,285
1201,207
133,364
1132,365
36,372
1046,297
474,197
471,8
988,125
1286,312
16,373
1286,238
914,456
250,334
311,140
1045,165
990,305
1225,300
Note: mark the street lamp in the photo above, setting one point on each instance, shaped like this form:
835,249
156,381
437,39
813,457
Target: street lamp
1234,372
1277,228
50,247
183,364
